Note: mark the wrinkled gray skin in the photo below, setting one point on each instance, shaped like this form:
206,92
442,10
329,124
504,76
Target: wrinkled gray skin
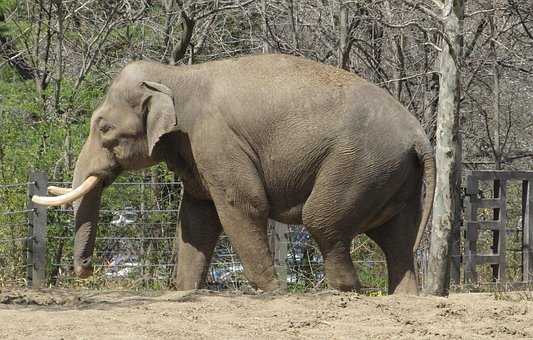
263,137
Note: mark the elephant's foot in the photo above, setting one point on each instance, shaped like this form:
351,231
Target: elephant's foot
345,282
262,279
340,271
271,286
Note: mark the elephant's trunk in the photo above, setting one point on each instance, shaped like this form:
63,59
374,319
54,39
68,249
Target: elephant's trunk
86,211
97,163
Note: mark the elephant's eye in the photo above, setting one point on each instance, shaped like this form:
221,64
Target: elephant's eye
105,127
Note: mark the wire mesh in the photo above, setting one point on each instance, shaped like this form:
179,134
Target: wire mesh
135,239
135,245
13,234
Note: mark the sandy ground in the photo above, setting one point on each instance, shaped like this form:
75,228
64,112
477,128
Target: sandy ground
64,314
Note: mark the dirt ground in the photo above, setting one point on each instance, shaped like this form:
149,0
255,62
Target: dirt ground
70,314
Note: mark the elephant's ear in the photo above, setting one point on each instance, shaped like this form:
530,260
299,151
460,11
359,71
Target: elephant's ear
161,116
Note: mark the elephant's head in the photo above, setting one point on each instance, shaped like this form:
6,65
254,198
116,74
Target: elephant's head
125,133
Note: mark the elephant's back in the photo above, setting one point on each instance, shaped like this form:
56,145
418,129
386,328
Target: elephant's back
278,78
290,92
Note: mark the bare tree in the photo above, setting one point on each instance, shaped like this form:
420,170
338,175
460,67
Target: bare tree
446,206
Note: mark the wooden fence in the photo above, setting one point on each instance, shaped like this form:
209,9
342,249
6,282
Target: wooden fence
474,201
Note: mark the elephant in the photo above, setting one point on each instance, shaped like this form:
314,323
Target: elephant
258,137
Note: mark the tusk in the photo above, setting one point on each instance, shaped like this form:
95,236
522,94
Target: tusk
70,196
58,191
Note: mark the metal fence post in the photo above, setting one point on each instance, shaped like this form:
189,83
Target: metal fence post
279,246
37,230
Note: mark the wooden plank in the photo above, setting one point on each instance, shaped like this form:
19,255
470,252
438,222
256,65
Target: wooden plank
470,245
485,225
455,252
471,232
527,228
495,233
489,175
485,203
472,186
502,234
487,259
38,231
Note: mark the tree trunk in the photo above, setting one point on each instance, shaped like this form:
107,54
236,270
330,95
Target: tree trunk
497,148
264,27
446,207
342,60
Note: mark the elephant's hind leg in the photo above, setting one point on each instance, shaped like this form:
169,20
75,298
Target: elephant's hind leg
396,238
340,270
334,242
197,235
333,214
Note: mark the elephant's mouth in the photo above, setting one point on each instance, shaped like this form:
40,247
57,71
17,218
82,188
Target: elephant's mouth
66,195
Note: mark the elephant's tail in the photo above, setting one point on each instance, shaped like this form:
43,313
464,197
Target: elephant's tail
427,161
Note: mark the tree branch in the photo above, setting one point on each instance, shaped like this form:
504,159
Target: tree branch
479,30
522,20
220,9
408,77
14,57
187,28
419,6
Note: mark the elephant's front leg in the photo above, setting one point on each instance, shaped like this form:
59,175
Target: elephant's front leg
249,238
197,235
243,212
